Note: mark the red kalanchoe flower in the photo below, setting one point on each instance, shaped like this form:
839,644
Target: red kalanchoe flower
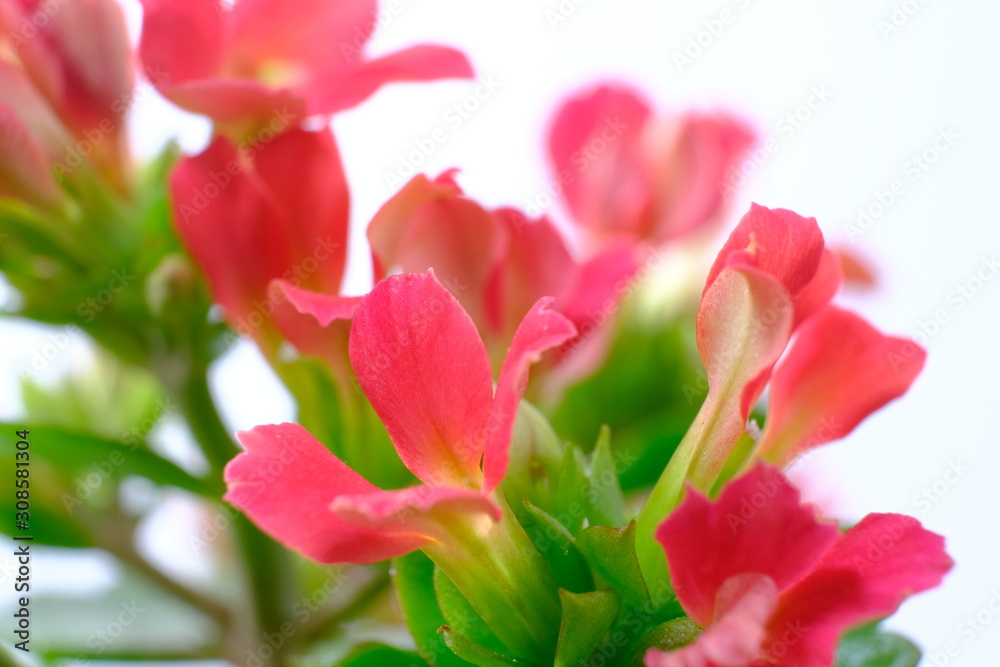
772,274
79,57
424,368
263,212
771,585
625,171
774,278
240,64
497,263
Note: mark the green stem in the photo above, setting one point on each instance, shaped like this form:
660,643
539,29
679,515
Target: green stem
204,421
217,612
667,495
268,567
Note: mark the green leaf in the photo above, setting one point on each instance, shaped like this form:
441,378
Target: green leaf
666,636
559,548
52,526
586,618
413,575
868,646
461,617
604,493
571,489
83,455
466,649
536,455
379,655
611,551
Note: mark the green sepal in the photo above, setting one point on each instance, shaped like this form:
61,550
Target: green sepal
604,495
461,617
867,646
666,637
559,548
535,458
372,654
571,489
413,575
471,652
586,619
611,552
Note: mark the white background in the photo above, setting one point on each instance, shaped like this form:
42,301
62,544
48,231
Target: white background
890,93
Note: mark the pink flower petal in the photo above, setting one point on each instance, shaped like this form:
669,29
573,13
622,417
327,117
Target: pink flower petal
195,24
536,264
316,324
757,525
425,510
424,368
318,33
778,242
692,171
325,308
246,223
285,482
601,283
592,305
305,176
19,95
237,237
837,372
430,225
338,90
744,605
743,327
865,576
24,167
541,329
607,190
241,61
242,104
390,226
81,60
818,293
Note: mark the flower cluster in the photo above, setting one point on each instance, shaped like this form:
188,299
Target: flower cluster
421,439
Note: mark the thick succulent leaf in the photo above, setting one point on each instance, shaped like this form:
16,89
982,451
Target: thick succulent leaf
558,547
604,493
474,653
611,551
867,646
413,575
571,489
586,618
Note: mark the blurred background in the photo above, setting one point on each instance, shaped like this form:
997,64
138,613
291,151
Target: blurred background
877,118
